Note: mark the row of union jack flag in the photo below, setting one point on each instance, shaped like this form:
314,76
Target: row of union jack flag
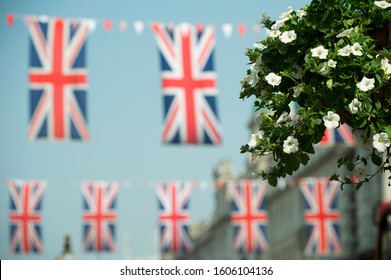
58,81
249,217
321,215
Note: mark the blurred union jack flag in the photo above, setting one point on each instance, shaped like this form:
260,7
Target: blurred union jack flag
341,135
99,216
57,79
25,216
174,216
188,84
249,216
321,215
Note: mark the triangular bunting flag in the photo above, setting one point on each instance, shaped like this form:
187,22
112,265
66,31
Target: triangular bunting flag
138,27
227,30
10,19
242,29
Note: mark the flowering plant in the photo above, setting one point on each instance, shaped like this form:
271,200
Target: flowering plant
330,58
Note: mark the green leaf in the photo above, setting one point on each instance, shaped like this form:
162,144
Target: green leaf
272,180
387,129
329,83
359,185
334,177
376,159
304,159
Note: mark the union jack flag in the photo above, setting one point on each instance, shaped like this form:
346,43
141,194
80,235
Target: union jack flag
99,216
188,84
341,135
249,216
174,216
321,215
25,216
57,79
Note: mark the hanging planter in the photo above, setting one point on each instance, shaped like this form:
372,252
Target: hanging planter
332,59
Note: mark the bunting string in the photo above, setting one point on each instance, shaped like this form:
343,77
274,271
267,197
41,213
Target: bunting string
227,29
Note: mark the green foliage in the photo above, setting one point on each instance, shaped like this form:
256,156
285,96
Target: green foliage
319,57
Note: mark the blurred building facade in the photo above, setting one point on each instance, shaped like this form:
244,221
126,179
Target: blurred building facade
286,228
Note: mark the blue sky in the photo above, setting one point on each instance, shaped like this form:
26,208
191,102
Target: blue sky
125,118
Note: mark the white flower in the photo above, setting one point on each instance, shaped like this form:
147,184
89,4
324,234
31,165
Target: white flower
345,33
355,106
325,68
287,13
345,51
283,118
243,80
320,52
366,84
381,142
258,62
291,145
253,78
273,79
259,45
382,4
288,36
301,13
297,90
279,23
299,72
331,120
386,66
274,33
361,173
254,139
331,63
356,49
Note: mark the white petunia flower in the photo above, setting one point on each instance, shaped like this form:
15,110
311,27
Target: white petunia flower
381,141
386,66
301,13
356,49
345,51
325,68
287,13
383,4
320,52
288,36
299,72
331,120
366,84
345,33
283,118
253,79
361,173
243,80
259,45
258,62
273,79
254,139
279,23
297,90
331,63
291,145
355,106
274,33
